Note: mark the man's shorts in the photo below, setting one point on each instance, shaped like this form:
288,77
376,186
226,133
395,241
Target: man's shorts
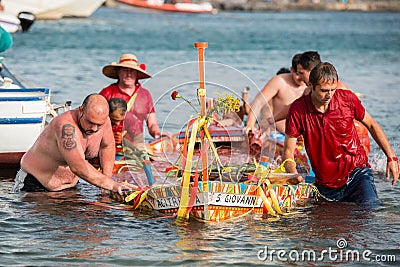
26,182
360,188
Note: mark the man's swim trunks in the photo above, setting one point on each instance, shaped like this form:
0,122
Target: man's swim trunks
26,182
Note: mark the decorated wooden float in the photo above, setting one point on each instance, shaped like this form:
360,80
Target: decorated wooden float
202,184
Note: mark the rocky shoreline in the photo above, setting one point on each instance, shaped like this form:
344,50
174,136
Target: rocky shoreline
305,5
316,5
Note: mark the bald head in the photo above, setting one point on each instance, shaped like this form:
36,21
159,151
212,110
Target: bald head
95,103
93,113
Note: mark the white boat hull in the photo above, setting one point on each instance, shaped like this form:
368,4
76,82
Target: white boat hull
22,119
9,22
50,9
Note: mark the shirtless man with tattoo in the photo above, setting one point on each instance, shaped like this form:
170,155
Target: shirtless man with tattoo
60,155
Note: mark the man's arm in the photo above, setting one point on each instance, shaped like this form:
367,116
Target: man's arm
269,91
289,147
69,143
281,115
245,99
381,139
107,150
152,125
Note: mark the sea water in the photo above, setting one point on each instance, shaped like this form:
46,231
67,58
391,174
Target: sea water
244,49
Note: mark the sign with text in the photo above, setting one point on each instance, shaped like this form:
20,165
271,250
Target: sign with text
218,199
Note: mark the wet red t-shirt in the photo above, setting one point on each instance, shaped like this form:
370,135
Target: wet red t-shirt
142,106
330,138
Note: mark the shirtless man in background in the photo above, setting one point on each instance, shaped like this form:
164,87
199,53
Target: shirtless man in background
306,62
60,155
279,92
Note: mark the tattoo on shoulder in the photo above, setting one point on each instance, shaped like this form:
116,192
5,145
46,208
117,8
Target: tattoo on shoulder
68,136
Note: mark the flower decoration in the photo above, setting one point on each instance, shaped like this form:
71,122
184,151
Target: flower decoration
142,66
223,104
226,104
175,95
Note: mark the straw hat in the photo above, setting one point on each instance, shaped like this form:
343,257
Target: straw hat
126,61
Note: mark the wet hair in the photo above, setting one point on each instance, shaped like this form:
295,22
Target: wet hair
117,103
283,70
322,73
309,60
295,61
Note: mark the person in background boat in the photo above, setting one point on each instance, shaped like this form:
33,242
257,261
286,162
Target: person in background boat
279,92
60,155
325,119
139,101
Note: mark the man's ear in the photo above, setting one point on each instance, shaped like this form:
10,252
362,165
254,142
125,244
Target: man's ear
80,111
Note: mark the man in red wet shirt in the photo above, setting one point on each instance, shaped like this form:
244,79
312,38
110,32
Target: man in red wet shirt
325,119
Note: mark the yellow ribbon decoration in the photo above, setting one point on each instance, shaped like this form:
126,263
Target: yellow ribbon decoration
282,168
273,196
266,201
184,202
132,196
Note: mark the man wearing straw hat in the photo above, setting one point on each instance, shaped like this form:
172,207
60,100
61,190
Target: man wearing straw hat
128,72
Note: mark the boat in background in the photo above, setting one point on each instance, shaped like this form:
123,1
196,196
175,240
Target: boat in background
11,23
81,9
24,113
22,119
7,79
50,9
172,6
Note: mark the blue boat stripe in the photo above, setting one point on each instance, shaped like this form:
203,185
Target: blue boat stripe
24,98
20,120
26,90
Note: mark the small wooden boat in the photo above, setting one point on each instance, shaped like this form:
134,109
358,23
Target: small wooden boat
201,184
171,6
215,201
